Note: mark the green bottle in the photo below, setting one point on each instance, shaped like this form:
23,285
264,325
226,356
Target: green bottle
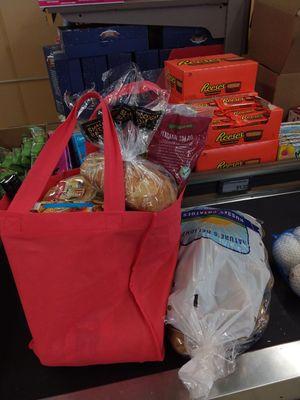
26,152
38,143
16,164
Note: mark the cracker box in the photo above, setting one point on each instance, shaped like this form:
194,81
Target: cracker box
289,141
244,119
203,77
294,114
238,156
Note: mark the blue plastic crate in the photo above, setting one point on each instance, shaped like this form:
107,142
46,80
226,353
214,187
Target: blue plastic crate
91,41
147,60
174,37
59,78
92,70
116,59
99,68
169,37
65,75
164,55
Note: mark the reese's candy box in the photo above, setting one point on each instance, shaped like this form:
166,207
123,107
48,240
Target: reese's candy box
209,76
243,111
238,156
233,102
245,125
252,118
222,122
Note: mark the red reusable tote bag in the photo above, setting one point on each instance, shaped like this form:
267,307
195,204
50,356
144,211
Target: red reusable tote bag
94,286
4,203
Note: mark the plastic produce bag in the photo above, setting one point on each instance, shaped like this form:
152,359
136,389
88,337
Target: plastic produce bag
3,153
221,293
286,252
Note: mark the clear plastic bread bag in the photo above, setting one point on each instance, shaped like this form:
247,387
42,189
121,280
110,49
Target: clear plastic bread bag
220,300
137,108
148,186
130,98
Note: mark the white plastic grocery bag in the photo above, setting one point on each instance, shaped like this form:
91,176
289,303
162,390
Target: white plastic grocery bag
221,293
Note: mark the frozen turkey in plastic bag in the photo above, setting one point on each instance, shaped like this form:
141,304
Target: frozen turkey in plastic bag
220,300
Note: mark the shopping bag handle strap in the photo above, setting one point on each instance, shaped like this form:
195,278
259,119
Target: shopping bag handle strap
34,184
138,87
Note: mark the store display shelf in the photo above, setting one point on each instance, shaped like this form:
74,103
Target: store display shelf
244,183
131,5
223,18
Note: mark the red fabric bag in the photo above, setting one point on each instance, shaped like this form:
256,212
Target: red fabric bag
94,286
4,203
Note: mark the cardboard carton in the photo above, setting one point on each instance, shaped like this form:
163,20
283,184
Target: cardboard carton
203,77
275,35
25,95
233,133
283,90
28,102
12,137
237,156
217,138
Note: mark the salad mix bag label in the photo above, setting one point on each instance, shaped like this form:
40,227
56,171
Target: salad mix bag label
178,142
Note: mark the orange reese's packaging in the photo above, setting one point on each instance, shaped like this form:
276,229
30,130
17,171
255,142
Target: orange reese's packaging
237,156
241,119
202,77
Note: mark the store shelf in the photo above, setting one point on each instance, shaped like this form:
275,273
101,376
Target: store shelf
227,18
259,374
264,180
132,5
253,170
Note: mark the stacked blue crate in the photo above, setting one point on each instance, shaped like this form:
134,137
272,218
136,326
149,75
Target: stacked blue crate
177,37
84,54
99,41
65,75
57,89
164,55
147,60
116,59
171,37
92,70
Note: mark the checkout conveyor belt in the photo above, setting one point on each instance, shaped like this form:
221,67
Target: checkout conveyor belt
23,378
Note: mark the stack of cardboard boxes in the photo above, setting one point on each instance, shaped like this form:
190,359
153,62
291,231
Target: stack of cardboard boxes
25,93
244,128
275,44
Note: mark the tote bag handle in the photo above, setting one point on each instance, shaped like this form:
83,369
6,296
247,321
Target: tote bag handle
34,184
132,87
